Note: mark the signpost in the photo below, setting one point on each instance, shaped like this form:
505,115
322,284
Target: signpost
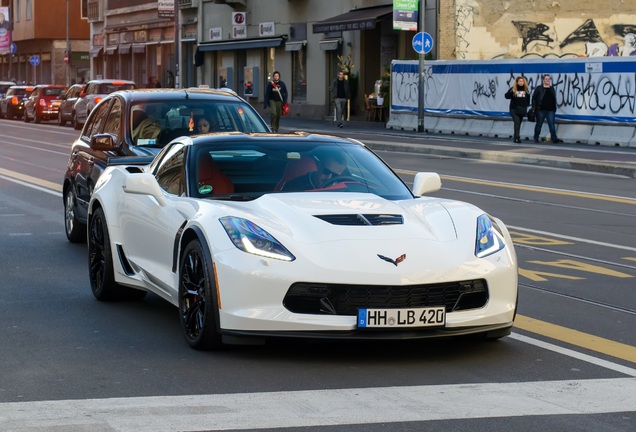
422,43
35,61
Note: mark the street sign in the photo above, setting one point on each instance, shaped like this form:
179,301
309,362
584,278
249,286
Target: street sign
422,43
66,57
34,60
14,48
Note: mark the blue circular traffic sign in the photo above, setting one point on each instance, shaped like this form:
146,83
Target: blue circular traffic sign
34,60
422,43
14,48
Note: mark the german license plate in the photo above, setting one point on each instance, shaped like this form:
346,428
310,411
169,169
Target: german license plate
402,318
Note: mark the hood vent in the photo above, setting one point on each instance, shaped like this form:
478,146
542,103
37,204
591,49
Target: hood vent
362,219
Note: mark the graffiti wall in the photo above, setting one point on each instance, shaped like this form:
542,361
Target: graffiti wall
485,29
588,90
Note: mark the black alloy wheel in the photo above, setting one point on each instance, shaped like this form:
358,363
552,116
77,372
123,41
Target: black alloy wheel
75,230
198,310
100,264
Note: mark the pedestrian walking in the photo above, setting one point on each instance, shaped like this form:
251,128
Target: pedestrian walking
340,94
170,81
519,96
153,82
275,98
544,104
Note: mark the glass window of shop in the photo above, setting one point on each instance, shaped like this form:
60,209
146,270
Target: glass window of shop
299,75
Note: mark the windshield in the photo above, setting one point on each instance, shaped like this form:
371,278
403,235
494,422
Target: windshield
4,87
17,92
111,87
158,123
247,170
53,91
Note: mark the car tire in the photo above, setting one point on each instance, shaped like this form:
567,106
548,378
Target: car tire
60,119
100,264
76,124
198,307
26,117
37,118
75,230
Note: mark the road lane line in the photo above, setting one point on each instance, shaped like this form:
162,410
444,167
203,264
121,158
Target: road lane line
312,408
577,338
33,182
554,191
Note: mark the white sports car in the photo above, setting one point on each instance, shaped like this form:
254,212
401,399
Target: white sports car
297,235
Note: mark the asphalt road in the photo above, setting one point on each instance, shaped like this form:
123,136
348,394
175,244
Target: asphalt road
71,363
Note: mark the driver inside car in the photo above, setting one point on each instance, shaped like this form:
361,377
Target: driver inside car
330,166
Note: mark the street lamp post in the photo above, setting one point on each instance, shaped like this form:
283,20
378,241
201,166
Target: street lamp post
420,102
68,51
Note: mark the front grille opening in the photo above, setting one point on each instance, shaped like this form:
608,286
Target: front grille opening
337,299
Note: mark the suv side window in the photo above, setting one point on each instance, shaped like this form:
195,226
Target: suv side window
96,120
114,121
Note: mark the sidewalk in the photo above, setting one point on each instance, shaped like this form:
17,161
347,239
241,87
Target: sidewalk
582,157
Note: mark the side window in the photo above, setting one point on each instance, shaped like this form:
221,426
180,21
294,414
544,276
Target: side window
170,173
114,121
96,120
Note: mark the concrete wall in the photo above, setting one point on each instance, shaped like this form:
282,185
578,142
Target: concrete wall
485,29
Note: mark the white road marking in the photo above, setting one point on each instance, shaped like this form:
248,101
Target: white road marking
247,411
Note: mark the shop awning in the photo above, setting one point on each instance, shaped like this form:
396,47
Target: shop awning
329,44
110,50
356,19
94,52
236,44
295,46
124,48
138,48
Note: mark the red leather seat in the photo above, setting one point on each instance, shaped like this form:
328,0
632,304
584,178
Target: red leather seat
211,175
296,168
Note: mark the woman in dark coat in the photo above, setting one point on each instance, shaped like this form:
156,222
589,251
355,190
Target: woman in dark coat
519,96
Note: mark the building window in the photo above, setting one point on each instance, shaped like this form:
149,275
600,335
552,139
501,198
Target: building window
18,8
85,9
29,10
299,75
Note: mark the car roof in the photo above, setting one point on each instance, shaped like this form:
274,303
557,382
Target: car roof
7,83
50,86
150,95
298,136
110,81
22,87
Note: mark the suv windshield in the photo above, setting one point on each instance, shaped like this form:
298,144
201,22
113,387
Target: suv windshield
181,117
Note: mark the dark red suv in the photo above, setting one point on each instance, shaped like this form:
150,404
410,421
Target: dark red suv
44,102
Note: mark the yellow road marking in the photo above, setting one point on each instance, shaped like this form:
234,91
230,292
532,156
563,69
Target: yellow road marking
32,180
537,276
579,266
532,188
630,258
575,337
535,240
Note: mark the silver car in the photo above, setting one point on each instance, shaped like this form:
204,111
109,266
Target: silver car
92,93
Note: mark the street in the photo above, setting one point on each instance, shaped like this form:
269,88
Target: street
72,363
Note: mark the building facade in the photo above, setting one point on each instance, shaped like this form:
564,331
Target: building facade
131,39
39,36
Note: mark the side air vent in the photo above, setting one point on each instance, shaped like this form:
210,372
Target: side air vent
360,219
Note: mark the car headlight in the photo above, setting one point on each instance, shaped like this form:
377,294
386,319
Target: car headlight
250,238
489,237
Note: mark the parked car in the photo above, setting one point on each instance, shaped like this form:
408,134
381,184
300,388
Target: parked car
4,86
67,103
140,123
297,235
12,104
43,102
92,93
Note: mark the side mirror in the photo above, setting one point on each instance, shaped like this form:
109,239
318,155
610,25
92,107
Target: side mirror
426,182
103,142
144,184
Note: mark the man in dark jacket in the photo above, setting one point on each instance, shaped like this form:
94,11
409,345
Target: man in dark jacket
340,94
544,104
275,98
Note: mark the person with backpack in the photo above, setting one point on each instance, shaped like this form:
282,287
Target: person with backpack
275,98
